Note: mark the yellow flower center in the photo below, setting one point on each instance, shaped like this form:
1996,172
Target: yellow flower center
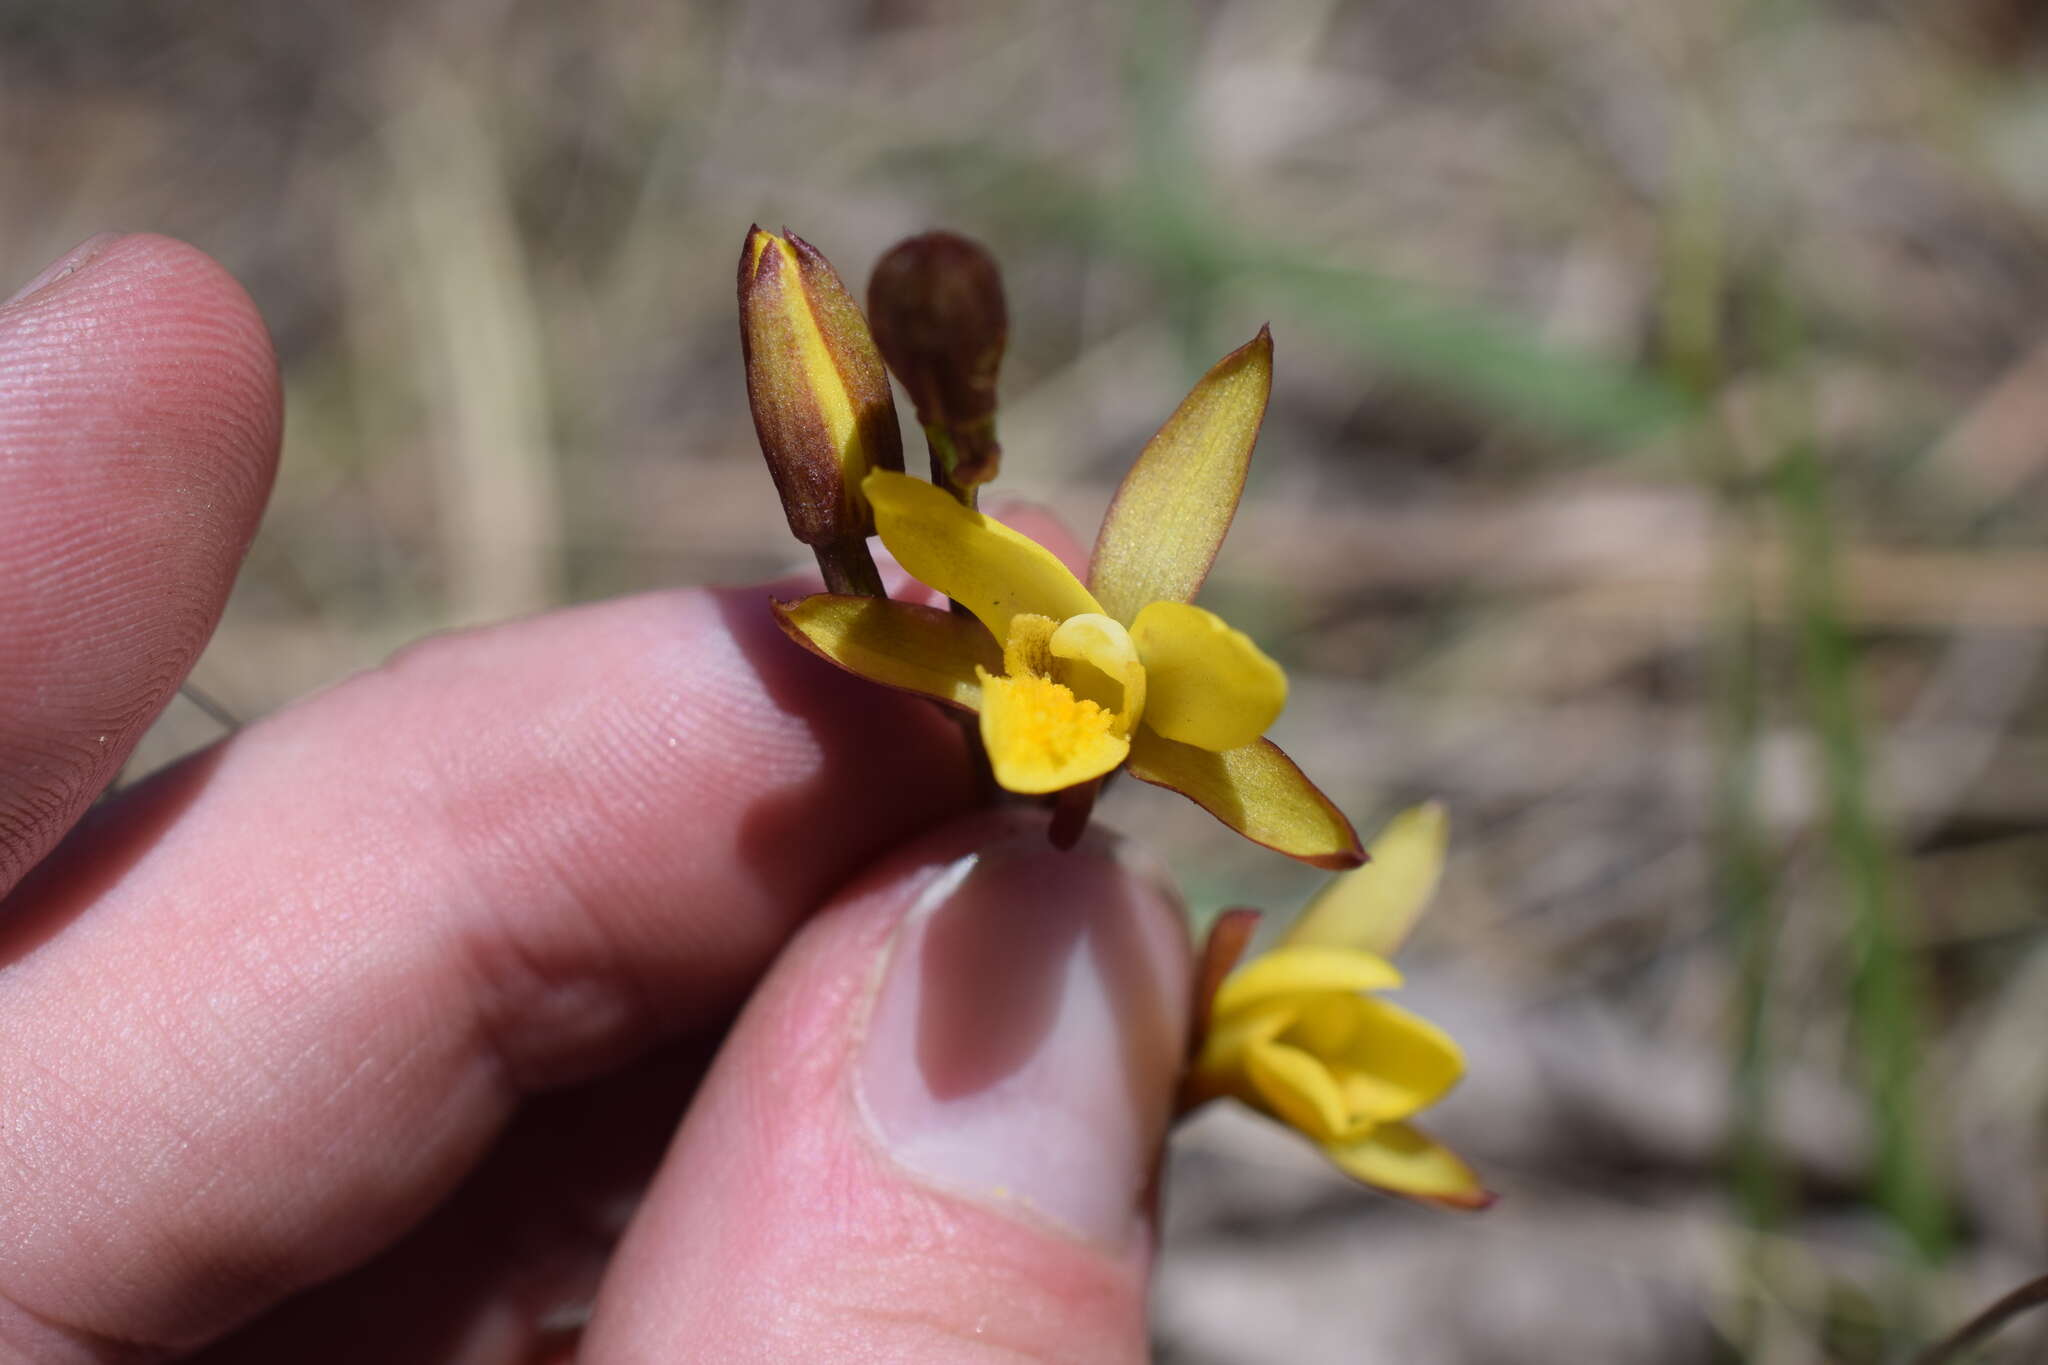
1063,713
1042,738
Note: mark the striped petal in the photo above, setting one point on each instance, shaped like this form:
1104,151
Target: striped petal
1374,907
976,560
921,649
1206,684
1257,791
1168,518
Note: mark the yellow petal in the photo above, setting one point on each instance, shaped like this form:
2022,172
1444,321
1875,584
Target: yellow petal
1257,791
1375,907
919,649
975,560
1219,1065
1388,1063
1296,971
1403,1160
1106,647
1208,685
1169,516
1230,1034
1298,1090
1041,738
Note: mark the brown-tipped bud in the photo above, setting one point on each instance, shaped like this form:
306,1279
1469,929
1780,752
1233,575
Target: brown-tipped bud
936,302
820,396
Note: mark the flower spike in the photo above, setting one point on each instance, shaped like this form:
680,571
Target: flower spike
1071,681
1172,690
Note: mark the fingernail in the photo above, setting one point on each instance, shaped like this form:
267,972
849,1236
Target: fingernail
1025,1043
70,263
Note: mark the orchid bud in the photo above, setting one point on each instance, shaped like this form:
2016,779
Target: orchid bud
820,396
936,302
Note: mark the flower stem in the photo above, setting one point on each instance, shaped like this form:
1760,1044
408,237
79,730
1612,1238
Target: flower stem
1070,811
2032,1294
953,450
849,568
1694,360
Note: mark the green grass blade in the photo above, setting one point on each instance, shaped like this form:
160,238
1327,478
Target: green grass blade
1885,994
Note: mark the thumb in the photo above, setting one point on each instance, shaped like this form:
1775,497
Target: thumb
933,1133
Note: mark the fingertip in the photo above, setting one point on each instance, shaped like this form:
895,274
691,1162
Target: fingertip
140,414
133,327
1022,1045
148,326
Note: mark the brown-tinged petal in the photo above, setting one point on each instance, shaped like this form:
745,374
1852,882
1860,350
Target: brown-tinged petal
1257,791
1402,1159
820,396
1169,516
927,650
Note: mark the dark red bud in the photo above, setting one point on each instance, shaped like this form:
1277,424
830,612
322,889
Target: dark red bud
935,303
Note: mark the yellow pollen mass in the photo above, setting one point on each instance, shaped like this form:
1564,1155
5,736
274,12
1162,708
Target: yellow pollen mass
1041,737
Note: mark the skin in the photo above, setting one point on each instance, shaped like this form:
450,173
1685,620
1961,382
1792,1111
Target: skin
380,1031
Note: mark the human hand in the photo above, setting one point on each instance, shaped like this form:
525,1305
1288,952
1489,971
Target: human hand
356,1036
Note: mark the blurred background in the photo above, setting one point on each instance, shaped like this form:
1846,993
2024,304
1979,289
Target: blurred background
1655,472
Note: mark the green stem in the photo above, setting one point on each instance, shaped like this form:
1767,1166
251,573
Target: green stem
947,452
1693,350
1885,994
1744,885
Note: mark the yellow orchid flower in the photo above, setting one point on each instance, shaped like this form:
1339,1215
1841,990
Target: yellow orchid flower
1293,1033
1072,680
